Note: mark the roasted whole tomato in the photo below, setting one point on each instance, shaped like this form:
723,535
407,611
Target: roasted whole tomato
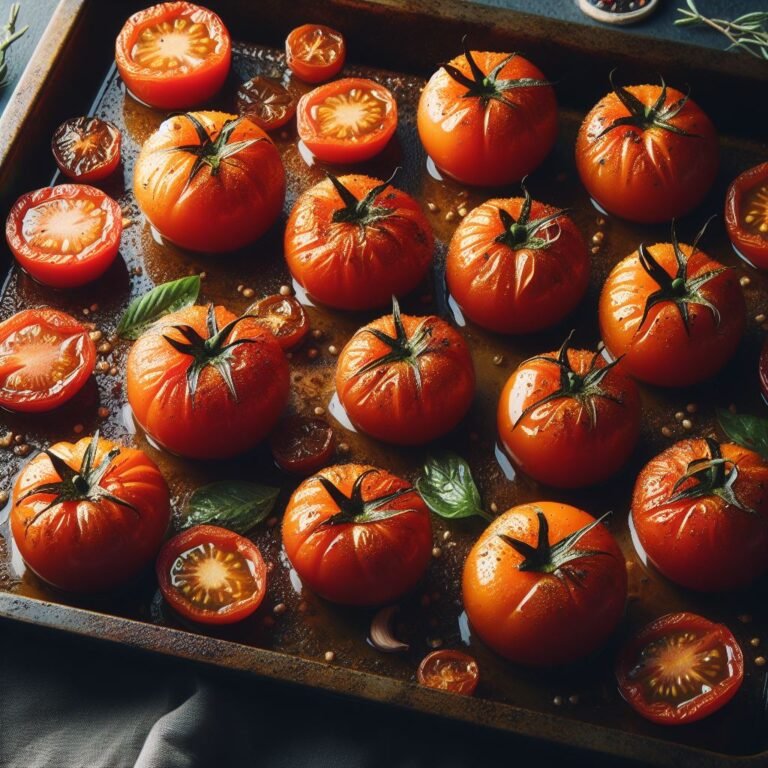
210,181
647,153
675,315
746,215
206,384
545,584
451,671
88,516
211,575
173,55
283,316
65,236
680,668
516,265
266,102
86,149
487,119
700,512
405,379
347,121
357,535
315,53
568,419
354,242
46,357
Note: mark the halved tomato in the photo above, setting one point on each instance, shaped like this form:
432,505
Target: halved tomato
746,215
212,575
348,120
282,315
451,671
65,236
265,102
301,445
315,53
86,149
46,357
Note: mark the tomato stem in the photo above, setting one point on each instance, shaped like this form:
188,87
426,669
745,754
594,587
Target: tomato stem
363,212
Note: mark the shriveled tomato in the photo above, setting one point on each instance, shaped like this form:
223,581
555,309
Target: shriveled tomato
347,121
65,236
647,153
354,242
487,119
451,671
283,316
315,53
301,445
746,215
357,535
675,314
516,265
86,149
210,181
206,384
46,357
680,668
700,511
265,102
406,379
568,419
545,584
173,55
88,516
212,575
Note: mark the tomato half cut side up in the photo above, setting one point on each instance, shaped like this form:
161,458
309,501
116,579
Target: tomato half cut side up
211,575
302,445
315,53
282,315
680,668
86,149
746,215
451,671
265,102
46,357
65,236
347,121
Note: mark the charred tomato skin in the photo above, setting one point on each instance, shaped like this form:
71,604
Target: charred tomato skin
749,241
87,149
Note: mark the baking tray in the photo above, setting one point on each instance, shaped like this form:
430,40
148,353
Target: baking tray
402,42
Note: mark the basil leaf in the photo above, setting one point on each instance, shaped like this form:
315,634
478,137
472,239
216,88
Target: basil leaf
236,505
161,300
448,489
749,431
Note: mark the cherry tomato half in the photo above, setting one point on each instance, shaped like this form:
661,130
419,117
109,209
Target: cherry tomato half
301,445
212,575
265,102
451,671
46,357
65,236
680,668
315,53
348,120
86,149
282,315
746,215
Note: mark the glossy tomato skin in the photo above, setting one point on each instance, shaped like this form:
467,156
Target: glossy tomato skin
91,546
51,261
516,290
26,339
537,618
212,424
328,52
661,352
706,544
387,401
87,149
357,564
556,443
647,175
192,82
211,214
749,241
450,671
346,266
487,144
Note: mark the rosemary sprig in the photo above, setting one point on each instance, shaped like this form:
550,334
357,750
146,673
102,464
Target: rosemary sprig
11,36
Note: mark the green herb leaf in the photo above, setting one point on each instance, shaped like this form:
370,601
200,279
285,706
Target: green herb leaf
236,505
448,489
161,300
749,431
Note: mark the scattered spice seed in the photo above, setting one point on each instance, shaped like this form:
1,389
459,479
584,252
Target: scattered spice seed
573,699
558,701
103,412
127,222
760,318
303,606
754,642
4,496
78,428
203,275
760,661
95,335
600,221
316,333
280,609
249,293
744,281
679,415
687,424
330,656
22,450
312,353
446,535
285,290
436,552
666,431
333,350
745,618
691,407
450,216
94,307
498,359
104,348
319,410
494,507
240,288
437,642
598,237
595,249
343,447
113,371
462,211
6,440
18,439
432,208
102,366
86,311
271,522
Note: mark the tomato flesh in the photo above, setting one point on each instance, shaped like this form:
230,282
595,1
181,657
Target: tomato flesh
302,446
266,103
450,671
746,215
172,44
86,148
314,52
283,316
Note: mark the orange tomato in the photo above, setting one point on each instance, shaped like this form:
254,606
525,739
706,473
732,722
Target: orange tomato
315,53
746,215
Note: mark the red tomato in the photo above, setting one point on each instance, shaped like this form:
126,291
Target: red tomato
212,575
46,357
315,53
746,215
680,668
567,419
516,265
301,445
545,584
405,379
86,149
487,119
647,153
265,102
173,55
347,121
451,671
88,516
283,316
65,236
700,511
357,535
